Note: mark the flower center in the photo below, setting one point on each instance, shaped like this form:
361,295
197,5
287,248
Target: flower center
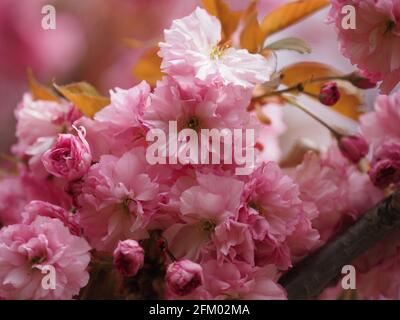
36,260
208,225
390,25
216,53
125,204
193,123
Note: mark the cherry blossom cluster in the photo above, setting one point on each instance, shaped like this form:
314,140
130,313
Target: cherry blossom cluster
84,187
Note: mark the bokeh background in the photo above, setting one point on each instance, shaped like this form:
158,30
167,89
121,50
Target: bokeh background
90,44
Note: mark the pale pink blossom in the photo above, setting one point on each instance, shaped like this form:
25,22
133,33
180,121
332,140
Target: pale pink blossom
374,44
204,207
38,119
216,108
117,127
118,199
128,257
192,48
276,197
25,250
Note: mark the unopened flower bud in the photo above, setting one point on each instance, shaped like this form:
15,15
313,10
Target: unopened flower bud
353,148
183,277
361,82
128,257
329,94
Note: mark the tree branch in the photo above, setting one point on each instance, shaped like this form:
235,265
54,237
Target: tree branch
313,274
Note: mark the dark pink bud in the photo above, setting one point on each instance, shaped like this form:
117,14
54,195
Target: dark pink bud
329,94
183,277
385,165
360,81
128,257
353,148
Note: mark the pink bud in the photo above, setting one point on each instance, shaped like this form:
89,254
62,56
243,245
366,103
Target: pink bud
183,277
360,81
70,157
385,165
353,148
128,257
329,94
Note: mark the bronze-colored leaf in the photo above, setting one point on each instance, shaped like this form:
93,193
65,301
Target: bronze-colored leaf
251,35
84,96
39,91
290,13
301,72
148,66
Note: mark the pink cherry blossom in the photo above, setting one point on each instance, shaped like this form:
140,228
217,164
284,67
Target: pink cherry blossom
241,281
69,158
374,43
38,119
117,127
192,48
382,123
27,249
204,207
128,257
118,199
40,208
183,277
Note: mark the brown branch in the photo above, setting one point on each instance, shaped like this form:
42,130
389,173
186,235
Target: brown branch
313,274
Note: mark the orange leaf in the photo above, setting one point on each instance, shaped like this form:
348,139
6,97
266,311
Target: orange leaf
350,97
148,67
251,35
290,13
229,19
39,91
84,96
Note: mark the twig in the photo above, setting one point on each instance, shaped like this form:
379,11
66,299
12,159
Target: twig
313,274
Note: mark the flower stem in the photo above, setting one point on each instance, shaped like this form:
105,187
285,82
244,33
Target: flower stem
293,102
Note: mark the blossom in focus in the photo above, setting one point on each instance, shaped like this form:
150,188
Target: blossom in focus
117,127
69,158
128,257
26,249
204,206
183,277
118,199
374,44
192,48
